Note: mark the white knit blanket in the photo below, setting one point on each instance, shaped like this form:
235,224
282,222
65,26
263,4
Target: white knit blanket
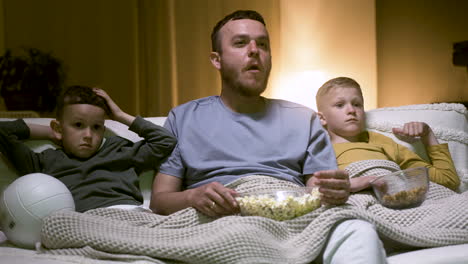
190,237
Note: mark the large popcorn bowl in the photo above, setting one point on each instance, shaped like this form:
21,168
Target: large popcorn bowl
402,189
279,204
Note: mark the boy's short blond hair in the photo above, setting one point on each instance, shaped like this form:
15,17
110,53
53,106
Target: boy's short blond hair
339,82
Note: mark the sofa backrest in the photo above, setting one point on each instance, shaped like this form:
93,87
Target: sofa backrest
448,121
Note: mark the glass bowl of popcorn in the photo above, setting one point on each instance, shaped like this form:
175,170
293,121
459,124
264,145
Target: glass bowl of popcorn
402,189
279,205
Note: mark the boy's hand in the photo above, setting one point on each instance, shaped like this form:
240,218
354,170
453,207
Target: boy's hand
42,132
117,113
381,186
115,109
360,183
413,131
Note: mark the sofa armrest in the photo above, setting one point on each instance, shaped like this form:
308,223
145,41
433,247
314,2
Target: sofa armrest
447,120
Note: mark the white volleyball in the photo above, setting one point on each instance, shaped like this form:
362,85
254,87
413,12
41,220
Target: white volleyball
26,202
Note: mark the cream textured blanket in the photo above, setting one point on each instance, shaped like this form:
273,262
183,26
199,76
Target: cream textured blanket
190,237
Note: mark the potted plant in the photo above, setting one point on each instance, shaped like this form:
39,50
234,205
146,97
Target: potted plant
31,81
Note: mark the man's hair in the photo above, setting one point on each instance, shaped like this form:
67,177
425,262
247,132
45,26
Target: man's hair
339,82
237,15
77,94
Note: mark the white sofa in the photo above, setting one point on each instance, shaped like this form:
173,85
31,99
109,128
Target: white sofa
449,122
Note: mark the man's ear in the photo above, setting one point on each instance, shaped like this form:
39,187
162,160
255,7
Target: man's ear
215,60
56,129
322,118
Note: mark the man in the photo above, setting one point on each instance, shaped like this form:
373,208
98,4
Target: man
240,133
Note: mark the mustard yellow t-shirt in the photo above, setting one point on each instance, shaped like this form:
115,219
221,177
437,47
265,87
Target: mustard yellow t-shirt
378,146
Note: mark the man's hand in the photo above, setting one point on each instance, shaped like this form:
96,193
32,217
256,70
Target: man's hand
213,199
413,131
333,184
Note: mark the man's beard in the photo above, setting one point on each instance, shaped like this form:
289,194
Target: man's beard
245,88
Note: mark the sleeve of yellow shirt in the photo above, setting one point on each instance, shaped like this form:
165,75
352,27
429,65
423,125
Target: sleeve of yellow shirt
441,168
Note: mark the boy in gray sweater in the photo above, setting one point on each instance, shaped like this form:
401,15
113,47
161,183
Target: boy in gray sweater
98,171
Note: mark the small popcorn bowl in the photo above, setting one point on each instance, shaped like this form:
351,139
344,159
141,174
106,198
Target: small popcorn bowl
279,205
402,189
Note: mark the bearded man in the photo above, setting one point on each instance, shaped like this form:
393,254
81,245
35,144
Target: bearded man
240,133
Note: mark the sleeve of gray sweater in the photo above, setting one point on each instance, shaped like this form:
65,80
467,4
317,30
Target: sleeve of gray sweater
158,143
21,156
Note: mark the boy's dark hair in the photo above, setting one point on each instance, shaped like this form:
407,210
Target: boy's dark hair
339,82
236,15
77,94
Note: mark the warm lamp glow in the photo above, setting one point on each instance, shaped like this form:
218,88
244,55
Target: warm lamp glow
320,40
300,87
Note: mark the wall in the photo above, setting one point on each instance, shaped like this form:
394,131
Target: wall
149,55
2,29
414,51
93,38
100,41
2,42
153,55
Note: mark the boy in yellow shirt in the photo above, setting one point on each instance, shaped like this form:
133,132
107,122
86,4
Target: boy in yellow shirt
341,110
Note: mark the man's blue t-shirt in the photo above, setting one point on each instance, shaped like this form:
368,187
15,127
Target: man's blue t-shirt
285,141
